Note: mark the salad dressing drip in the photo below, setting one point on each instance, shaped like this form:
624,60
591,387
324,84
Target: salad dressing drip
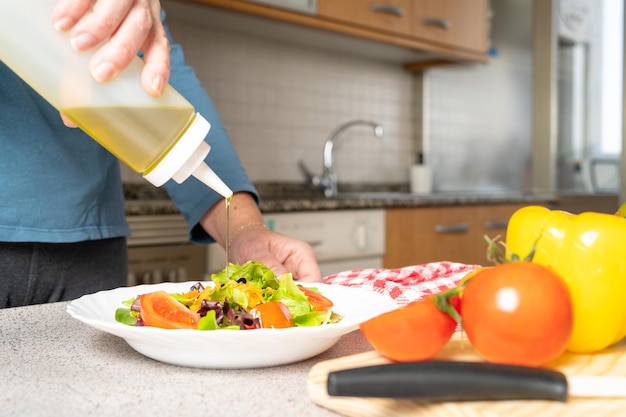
227,243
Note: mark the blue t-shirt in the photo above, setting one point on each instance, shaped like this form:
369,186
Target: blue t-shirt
59,185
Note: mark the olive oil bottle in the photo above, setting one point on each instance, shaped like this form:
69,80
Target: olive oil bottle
117,127
161,138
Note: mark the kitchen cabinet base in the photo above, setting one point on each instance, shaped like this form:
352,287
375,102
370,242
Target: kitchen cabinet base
419,235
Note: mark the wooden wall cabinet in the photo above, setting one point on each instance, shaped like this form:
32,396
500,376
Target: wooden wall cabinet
454,23
457,23
393,16
418,235
442,31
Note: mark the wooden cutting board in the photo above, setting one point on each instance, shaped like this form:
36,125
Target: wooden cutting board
611,361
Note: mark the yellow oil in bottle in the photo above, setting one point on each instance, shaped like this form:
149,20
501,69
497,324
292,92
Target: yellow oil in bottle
138,136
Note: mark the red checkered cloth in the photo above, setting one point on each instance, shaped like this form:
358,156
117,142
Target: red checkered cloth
407,284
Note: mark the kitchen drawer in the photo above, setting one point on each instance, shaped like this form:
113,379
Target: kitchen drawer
385,15
456,23
492,221
418,235
428,234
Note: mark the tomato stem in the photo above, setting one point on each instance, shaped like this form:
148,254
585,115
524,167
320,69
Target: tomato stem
497,256
442,301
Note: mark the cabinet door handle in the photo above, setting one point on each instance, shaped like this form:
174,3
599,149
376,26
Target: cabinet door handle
496,224
388,8
436,21
451,228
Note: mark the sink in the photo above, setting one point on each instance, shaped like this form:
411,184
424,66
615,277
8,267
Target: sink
433,197
377,195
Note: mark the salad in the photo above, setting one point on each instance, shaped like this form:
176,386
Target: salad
241,297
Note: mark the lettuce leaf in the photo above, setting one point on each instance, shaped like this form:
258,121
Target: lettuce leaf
289,294
125,316
253,272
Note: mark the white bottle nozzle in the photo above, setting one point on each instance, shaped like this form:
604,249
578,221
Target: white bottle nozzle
196,166
187,158
210,178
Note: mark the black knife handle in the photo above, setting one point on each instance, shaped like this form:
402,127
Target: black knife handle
449,381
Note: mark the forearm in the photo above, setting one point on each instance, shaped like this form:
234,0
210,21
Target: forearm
244,212
250,240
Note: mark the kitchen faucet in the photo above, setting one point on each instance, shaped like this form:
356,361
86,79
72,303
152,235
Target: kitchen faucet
328,179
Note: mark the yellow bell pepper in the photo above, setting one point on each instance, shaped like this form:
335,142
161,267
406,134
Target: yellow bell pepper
587,251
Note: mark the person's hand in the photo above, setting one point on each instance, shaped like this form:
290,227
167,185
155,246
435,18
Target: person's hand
129,25
278,252
250,240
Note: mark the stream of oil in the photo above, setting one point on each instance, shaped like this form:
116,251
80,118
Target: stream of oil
227,242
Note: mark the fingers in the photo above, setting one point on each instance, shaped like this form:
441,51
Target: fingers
67,121
272,263
156,56
109,19
309,274
304,266
89,23
67,12
278,252
128,26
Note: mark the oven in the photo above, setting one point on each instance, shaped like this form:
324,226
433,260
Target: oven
158,251
158,247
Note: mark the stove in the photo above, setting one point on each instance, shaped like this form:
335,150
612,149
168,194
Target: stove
146,199
158,247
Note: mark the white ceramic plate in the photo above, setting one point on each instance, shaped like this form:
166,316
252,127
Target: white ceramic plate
229,348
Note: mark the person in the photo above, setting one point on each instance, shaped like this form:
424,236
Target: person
62,225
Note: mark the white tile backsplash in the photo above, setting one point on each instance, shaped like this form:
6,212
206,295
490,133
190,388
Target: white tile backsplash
279,102
480,115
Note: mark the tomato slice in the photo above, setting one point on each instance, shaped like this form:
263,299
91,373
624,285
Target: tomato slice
160,309
414,332
317,300
273,315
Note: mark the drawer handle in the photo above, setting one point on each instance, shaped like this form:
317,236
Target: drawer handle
496,224
435,21
388,8
451,228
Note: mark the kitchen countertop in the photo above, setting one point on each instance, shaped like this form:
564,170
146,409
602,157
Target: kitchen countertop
144,199
294,203
286,197
54,365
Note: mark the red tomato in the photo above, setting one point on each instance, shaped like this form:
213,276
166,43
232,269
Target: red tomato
160,309
415,332
317,300
274,315
517,313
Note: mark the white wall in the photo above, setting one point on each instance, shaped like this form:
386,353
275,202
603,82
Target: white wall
280,99
480,115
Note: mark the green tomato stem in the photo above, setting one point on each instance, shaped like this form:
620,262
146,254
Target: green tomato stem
442,301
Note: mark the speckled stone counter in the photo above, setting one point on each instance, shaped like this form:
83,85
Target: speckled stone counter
145,199
54,365
277,204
